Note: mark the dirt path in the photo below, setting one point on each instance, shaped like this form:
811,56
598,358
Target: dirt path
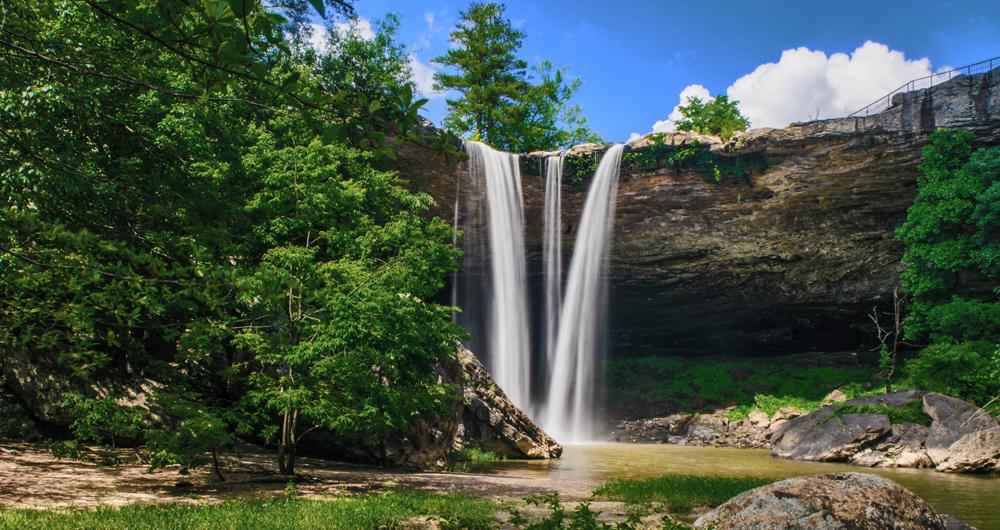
31,477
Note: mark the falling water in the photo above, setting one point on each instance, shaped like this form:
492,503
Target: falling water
503,295
570,406
552,252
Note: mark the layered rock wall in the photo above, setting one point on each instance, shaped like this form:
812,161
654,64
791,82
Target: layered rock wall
788,257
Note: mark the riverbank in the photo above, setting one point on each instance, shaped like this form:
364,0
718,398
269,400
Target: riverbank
35,479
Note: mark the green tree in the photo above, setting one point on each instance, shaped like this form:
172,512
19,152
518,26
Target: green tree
952,242
499,101
952,256
718,116
191,198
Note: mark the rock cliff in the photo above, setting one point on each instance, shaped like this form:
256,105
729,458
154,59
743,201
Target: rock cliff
787,252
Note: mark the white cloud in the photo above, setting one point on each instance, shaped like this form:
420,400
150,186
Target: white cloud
361,25
634,136
806,84
690,91
423,78
319,37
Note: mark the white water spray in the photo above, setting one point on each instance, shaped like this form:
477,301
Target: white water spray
552,252
570,406
507,355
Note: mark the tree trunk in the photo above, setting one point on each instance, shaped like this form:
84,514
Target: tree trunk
215,466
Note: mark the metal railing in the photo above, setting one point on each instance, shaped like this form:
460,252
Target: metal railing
927,82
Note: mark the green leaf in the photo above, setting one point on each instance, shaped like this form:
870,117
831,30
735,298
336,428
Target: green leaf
319,6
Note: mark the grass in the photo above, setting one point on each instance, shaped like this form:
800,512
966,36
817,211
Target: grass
477,456
679,493
387,510
655,386
911,412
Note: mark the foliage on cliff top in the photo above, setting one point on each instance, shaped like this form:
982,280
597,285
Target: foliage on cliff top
501,101
718,116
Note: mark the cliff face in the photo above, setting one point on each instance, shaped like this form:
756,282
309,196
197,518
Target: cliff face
790,256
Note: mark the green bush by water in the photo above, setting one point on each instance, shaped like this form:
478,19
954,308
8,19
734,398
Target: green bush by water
388,510
679,493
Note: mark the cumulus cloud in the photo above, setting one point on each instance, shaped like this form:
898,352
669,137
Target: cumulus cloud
361,25
806,84
690,91
422,75
634,136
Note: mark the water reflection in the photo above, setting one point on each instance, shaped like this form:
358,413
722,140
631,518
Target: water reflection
973,499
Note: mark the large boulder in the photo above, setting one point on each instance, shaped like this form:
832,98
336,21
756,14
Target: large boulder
953,419
871,440
835,501
976,452
491,422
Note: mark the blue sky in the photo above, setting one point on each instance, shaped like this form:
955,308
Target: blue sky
635,58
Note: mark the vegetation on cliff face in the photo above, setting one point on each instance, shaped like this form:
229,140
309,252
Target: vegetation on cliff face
192,197
501,102
952,257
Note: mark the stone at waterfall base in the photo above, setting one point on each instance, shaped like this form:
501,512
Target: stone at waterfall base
835,501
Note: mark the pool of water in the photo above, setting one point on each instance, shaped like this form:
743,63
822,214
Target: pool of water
973,499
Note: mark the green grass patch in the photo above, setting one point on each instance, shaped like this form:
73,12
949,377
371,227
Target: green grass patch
477,456
679,493
387,510
911,412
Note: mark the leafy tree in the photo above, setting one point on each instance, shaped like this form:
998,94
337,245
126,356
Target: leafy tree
498,103
952,240
191,198
190,430
718,116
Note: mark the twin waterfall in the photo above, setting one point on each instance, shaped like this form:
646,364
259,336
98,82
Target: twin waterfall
559,387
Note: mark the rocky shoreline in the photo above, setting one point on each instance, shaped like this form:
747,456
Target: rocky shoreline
948,435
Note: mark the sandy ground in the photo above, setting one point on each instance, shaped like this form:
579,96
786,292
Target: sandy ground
31,477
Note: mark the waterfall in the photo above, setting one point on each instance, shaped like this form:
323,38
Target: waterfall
570,406
495,306
552,252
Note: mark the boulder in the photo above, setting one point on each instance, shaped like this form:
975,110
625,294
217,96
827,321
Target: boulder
823,437
653,430
953,419
976,452
491,422
835,501
15,421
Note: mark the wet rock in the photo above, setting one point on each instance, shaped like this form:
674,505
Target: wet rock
836,501
976,452
653,430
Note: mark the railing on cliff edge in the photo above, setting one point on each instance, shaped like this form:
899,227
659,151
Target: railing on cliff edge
928,82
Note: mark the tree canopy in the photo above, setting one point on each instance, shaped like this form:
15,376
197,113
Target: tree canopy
192,196
718,116
500,100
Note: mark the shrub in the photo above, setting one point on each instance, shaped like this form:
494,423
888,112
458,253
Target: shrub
967,370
